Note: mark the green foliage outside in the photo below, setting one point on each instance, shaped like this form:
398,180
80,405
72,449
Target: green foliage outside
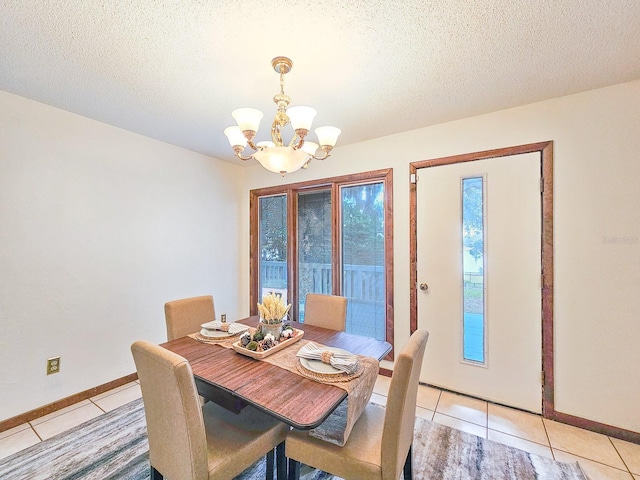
472,221
362,213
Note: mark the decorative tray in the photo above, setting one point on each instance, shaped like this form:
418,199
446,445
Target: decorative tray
258,355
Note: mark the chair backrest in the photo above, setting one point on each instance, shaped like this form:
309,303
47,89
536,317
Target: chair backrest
185,316
328,311
177,438
400,414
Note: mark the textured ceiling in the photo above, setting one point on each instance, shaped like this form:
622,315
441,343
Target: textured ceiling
174,70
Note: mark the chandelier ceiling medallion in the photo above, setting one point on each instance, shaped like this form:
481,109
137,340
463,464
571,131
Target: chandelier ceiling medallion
274,155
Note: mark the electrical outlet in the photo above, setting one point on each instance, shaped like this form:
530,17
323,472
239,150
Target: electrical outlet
223,317
53,365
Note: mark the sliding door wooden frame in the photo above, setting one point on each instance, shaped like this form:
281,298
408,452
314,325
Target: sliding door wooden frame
384,176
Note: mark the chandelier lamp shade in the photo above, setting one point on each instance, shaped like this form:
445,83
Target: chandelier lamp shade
275,155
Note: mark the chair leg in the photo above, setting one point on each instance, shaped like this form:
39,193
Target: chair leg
408,464
294,469
281,462
270,463
155,474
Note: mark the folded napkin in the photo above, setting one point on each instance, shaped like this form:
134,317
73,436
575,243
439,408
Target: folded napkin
232,328
345,361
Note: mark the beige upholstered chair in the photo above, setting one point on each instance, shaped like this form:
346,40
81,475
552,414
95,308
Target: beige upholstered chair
189,442
185,316
380,442
328,311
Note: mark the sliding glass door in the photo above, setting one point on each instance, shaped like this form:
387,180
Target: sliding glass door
273,241
330,237
363,258
314,245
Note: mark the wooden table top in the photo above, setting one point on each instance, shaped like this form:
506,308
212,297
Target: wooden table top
292,398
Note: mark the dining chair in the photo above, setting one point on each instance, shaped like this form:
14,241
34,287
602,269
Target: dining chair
328,311
380,444
190,442
186,315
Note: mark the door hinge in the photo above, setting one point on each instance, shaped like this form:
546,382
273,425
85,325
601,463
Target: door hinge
542,378
541,185
413,178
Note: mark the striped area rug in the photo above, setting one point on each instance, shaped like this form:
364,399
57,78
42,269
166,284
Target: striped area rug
114,446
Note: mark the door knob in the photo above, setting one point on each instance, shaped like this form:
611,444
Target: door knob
424,287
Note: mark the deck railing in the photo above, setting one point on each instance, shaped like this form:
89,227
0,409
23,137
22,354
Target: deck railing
359,282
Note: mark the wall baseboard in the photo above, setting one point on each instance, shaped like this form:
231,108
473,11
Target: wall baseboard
65,402
603,428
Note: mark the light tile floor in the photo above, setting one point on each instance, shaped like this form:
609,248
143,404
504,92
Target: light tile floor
601,457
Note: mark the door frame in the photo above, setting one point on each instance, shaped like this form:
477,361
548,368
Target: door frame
545,150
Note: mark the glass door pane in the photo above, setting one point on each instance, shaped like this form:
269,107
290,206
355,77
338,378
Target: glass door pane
363,255
314,245
273,245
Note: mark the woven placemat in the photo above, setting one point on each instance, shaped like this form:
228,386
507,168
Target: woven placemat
203,339
324,378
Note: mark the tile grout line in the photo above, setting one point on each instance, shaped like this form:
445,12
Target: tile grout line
546,432
521,438
594,461
621,458
486,420
103,410
35,431
69,409
435,408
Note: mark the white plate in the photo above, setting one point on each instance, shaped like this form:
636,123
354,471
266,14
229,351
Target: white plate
214,333
318,366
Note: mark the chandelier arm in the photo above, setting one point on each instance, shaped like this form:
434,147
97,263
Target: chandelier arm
296,142
244,158
252,145
327,152
320,158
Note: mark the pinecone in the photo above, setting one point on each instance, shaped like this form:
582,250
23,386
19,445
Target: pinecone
245,338
268,342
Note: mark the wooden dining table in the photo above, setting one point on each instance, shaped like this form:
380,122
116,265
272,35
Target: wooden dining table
235,380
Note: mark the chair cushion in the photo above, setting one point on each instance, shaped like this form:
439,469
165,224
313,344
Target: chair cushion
328,311
235,441
359,458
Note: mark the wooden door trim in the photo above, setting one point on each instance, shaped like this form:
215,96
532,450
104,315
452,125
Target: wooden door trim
546,161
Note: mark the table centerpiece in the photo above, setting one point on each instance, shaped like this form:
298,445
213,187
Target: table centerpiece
273,313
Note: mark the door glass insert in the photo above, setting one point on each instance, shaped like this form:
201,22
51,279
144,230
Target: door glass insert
473,232
363,255
273,245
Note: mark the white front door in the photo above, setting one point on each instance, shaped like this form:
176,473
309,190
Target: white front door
482,303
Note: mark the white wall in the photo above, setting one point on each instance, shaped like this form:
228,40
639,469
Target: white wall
596,138
99,227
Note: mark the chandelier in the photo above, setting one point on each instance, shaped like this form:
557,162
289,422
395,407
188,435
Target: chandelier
274,155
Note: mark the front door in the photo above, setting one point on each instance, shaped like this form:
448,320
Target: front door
479,268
